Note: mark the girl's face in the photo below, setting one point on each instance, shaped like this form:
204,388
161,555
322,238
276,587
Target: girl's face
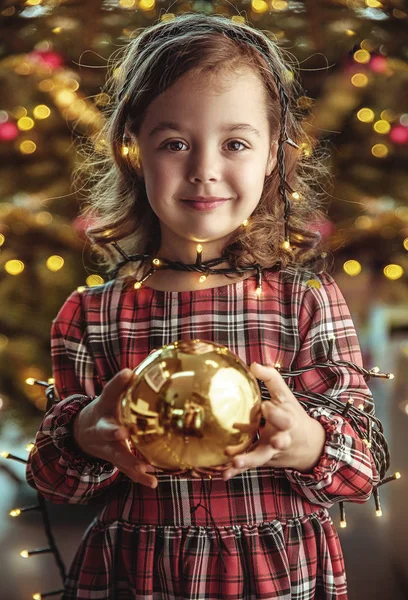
205,138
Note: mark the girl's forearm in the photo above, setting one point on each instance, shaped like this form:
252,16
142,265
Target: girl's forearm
57,468
346,470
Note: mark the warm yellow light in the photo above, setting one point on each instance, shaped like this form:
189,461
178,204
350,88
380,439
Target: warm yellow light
102,99
94,280
373,3
29,447
24,554
314,283
19,112
125,150
397,475
51,380
54,263
30,381
146,4
258,291
56,30
33,2
65,98
404,243
37,596
202,278
350,32
137,285
368,45
359,80
157,262
343,524
23,68
72,84
362,56
3,341
25,123
352,268
28,147
286,245
127,3
259,6
14,267
41,111
393,271
388,115
288,75
401,212
363,222
15,512
378,512
199,248
81,289
46,85
245,222
4,454
366,115
44,218
379,150
296,195
279,4
3,239
238,19
382,126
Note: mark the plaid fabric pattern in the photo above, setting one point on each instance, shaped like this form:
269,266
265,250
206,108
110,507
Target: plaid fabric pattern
264,534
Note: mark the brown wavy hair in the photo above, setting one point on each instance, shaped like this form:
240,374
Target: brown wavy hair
116,202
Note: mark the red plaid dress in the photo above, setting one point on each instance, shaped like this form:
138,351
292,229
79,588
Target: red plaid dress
271,535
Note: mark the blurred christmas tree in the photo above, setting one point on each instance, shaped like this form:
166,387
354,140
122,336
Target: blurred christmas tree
353,61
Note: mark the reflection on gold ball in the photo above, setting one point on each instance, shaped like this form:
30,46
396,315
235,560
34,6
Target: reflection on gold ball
183,403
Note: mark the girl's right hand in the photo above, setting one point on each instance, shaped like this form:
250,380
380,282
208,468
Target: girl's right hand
98,432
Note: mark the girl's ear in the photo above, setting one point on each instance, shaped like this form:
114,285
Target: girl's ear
270,165
134,154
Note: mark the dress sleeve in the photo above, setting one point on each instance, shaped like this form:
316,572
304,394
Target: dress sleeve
56,466
346,470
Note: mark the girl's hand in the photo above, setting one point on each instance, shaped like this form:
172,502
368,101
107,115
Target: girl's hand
290,438
98,432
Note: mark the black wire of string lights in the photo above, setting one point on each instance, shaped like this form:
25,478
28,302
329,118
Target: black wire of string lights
52,547
204,268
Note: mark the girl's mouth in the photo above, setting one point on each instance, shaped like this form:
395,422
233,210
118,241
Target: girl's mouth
202,206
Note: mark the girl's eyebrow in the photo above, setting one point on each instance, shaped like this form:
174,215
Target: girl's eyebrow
165,125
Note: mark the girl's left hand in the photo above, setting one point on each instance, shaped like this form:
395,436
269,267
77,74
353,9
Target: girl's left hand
290,439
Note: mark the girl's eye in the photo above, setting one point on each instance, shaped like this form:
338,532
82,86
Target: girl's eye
174,142
237,142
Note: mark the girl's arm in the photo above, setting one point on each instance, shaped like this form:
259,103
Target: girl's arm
346,470
56,466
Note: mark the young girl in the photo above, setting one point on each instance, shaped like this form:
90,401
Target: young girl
205,169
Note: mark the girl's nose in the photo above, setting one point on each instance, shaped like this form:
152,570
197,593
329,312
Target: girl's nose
204,166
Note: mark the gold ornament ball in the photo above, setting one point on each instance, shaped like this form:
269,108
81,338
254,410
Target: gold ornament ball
183,402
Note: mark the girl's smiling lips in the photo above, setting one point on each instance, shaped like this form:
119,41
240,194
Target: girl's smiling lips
203,203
